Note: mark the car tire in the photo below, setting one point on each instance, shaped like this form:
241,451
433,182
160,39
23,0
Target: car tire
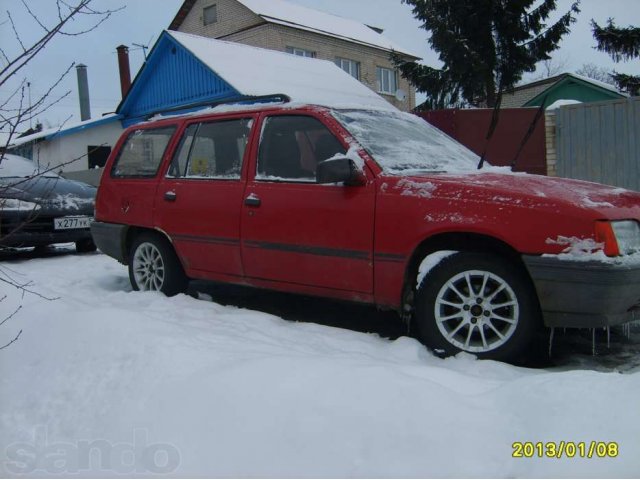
154,266
477,303
85,246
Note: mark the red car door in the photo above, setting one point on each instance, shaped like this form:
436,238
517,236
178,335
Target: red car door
128,195
295,230
199,200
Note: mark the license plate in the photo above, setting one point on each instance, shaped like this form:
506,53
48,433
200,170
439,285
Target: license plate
71,223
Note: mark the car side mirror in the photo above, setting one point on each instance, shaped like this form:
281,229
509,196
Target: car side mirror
338,170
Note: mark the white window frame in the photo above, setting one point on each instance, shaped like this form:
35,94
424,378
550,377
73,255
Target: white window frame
301,52
210,8
350,66
387,80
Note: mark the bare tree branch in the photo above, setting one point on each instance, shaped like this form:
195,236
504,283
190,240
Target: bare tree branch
11,118
35,17
23,287
10,316
15,30
25,113
12,341
4,55
596,72
28,52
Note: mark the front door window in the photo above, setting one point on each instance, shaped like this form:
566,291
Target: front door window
292,146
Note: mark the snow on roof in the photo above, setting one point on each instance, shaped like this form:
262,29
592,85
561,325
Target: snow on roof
296,16
605,85
256,72
562,103
64,129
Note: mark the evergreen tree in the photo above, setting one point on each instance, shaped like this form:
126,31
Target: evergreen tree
621,44
440,94
485,46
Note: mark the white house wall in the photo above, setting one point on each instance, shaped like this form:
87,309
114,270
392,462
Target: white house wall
58,152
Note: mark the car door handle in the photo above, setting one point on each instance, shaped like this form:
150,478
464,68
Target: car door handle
252,201
170,196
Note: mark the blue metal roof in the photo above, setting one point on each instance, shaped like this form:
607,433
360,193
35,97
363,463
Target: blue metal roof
172,78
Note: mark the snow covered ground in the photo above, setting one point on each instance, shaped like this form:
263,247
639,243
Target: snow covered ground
104,381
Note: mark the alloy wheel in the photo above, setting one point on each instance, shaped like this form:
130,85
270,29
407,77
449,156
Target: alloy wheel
476,311
148,267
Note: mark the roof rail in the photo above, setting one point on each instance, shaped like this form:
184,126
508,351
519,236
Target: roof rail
242,99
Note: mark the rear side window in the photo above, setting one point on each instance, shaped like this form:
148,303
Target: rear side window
142,152
292,146
212,150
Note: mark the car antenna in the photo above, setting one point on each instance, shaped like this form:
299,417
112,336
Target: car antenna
530,131
492,127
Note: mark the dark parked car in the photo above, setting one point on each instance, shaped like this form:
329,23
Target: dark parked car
39,208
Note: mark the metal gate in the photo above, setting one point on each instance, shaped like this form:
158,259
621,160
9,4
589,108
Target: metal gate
600,142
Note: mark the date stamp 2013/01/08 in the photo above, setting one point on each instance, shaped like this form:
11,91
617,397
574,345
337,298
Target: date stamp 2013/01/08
565,449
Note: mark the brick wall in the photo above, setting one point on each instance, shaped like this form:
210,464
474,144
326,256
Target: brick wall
550,143
238,24
232,17
278,37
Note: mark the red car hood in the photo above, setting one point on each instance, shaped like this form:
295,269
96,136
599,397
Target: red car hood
522,190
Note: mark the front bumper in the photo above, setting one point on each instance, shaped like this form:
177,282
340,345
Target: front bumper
19,231
578,294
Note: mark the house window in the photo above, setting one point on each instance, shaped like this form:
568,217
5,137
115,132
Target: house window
301,52
98,155
387,80
210,14
350,66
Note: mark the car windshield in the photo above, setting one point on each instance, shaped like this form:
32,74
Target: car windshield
12,166
402,143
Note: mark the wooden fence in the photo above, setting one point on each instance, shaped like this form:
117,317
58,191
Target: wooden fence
600,142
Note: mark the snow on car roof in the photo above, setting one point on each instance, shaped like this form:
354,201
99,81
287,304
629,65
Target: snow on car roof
297,16
256,72
15,166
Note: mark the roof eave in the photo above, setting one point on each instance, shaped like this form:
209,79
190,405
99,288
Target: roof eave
183,11
550,80
570,78
280,21
63,132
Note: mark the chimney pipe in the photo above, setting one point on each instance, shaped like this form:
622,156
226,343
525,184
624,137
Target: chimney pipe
125,72
83,92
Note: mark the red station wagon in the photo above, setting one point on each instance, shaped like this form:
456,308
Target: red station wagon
369,206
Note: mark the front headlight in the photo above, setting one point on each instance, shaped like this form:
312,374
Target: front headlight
16,205
619,237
